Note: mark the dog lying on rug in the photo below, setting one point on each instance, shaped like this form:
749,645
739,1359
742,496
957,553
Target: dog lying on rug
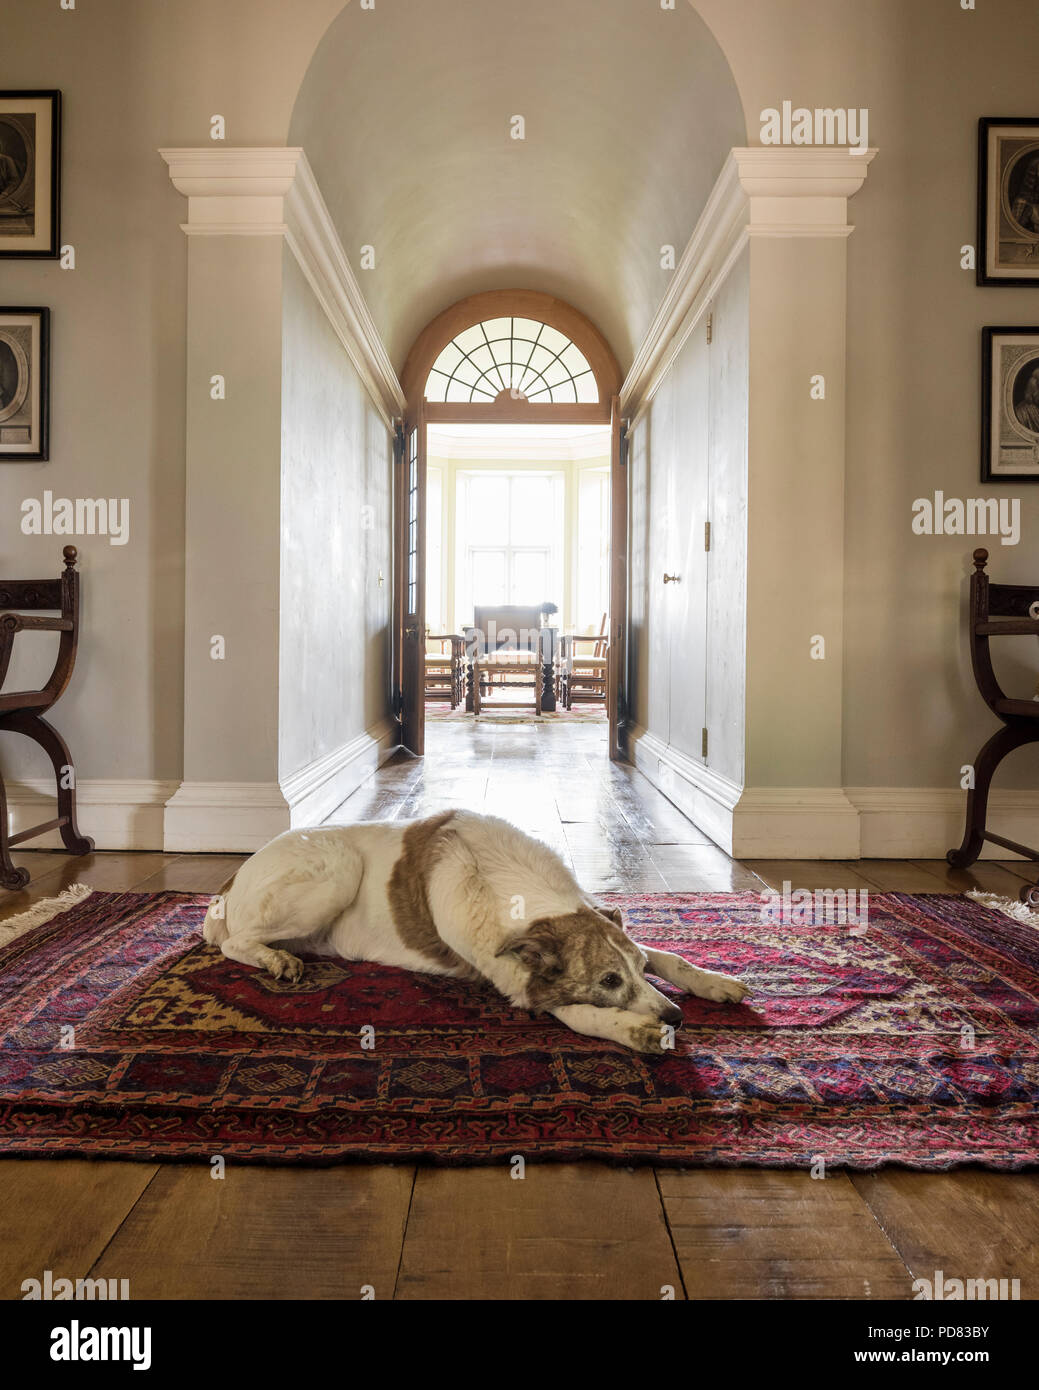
456,894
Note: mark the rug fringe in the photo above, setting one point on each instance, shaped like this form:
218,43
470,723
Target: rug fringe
42,912
1010,907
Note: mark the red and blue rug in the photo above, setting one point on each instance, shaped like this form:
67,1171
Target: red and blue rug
125,1036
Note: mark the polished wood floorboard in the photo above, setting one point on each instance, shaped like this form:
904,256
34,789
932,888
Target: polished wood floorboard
563,1231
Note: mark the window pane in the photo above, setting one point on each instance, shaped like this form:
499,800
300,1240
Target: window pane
488,571
574,360
526,329
448,359
498,353
553,339
488,510
436,386
498,328
540,358
564,393
531,510
530,577
434,525
469,339
483,357
587,390
466,372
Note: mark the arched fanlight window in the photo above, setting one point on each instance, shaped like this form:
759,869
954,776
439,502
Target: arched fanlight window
512,355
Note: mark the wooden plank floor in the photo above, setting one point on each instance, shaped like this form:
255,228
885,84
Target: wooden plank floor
565,1230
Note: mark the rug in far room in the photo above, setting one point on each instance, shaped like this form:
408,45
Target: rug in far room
913,1042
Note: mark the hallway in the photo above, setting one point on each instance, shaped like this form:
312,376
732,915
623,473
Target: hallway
613,827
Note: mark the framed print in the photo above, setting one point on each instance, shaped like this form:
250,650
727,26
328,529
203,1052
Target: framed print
24,384
1010,405
1008,201
30,170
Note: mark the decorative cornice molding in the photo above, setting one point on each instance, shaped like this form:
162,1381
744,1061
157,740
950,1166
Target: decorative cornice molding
273,192
762,191
804,171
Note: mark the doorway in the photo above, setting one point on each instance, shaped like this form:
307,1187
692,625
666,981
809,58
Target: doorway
496,385
518,519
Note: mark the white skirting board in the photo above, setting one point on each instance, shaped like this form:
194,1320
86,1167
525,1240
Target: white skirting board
125,814
316,790
827,822
238,817
233,817
203,817
911,823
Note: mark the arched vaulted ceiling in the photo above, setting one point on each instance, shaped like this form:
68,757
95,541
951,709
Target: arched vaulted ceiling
405,116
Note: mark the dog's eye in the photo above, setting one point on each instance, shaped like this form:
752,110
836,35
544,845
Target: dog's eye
611,982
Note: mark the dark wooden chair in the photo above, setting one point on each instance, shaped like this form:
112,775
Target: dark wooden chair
997,610
445,667
506,641
21,711
582,675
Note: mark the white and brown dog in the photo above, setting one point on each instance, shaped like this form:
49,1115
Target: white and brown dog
456,894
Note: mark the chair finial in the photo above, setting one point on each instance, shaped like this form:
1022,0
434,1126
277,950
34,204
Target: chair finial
69,553
980,559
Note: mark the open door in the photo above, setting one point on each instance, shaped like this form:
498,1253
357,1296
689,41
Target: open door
411,579
616,673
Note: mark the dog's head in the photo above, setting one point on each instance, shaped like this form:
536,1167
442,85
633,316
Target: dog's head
585,957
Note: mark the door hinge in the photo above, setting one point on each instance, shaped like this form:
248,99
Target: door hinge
703,743
710,328
707,535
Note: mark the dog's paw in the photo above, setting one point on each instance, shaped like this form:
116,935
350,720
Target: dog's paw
724,989
285,966
652,1036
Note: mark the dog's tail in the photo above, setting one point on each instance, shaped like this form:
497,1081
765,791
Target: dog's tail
215,929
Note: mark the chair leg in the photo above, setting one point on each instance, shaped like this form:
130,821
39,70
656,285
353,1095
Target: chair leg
548,687
34,726
10,876
1002,742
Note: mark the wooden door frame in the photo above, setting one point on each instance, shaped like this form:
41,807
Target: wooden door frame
438,333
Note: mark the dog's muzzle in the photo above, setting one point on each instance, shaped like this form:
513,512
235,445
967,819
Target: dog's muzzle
672,1014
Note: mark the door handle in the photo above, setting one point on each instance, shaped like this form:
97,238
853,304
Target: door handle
672,579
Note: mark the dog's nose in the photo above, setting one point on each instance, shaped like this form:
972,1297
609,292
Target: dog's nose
673,1015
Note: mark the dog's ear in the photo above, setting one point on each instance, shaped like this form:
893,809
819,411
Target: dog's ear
537,948
613,913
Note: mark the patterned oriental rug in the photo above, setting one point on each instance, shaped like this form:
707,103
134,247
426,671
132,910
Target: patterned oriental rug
125,1036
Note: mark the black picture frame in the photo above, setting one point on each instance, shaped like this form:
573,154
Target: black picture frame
991,269
50,179
999,392
38,418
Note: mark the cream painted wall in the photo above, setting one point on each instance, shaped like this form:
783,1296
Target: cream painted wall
336,476
117,390
139,77
233,473
911,713
727,508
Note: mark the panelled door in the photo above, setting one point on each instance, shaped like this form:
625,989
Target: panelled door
685,602
412,580
616,675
